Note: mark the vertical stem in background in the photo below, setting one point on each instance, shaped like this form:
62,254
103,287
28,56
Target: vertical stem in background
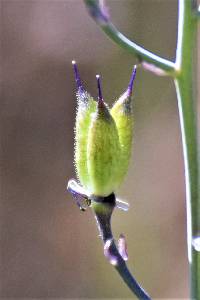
185,84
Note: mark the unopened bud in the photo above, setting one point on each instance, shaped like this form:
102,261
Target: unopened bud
103,139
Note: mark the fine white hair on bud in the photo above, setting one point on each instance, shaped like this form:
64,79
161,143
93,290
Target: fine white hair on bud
86,107
103,138
122,114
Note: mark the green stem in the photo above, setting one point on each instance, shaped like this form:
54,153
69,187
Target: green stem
141,53
186,93
97,12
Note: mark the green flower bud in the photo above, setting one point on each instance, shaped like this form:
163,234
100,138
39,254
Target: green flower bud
86,106
103,150
103,139
122,113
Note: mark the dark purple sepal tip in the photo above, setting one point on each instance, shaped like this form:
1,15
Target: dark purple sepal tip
130,86
77,77
100,96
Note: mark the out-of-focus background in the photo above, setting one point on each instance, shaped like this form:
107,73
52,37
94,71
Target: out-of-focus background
48,248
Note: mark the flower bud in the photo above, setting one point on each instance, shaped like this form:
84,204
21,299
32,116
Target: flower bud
122,114
103,150
86,106
103,139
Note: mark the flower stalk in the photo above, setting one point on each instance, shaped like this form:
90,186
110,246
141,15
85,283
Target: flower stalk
103,142
111,251
183,71
103,208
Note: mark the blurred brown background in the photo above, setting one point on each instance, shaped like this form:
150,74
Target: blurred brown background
48,248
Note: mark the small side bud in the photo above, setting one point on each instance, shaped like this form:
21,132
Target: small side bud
122,247
111,258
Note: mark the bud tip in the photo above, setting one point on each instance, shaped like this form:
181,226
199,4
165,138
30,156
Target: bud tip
100,97
77,76
130,86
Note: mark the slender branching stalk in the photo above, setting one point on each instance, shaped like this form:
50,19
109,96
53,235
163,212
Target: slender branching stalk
99,13
103,208
111,251
183,70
